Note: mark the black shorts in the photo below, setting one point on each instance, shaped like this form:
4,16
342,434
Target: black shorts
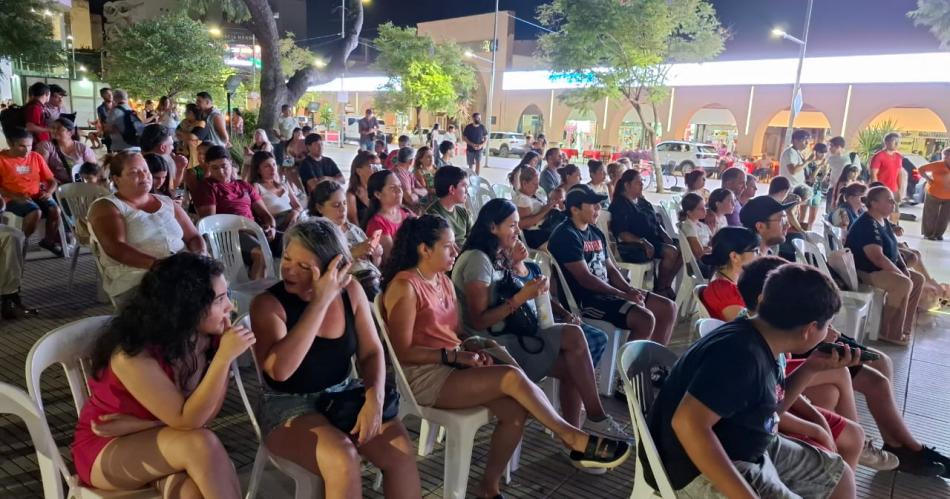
637,253
610,308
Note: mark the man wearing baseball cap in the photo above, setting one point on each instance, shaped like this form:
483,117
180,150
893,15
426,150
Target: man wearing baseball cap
601,291
766,217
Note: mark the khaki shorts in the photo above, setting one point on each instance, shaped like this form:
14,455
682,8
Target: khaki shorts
426,381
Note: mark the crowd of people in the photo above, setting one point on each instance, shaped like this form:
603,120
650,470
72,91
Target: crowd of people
471,317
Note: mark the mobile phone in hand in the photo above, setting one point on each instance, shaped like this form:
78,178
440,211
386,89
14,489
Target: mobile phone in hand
866,355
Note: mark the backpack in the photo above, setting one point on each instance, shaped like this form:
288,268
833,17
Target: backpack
12,118
129,135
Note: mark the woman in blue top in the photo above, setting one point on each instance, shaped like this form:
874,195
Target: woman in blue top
849,207
879,263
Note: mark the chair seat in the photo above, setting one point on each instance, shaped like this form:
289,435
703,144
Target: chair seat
91,493
473,416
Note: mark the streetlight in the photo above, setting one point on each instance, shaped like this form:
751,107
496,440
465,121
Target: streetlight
320,63
214,31
803,44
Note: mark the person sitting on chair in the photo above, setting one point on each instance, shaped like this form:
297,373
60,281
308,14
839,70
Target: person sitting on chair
27,186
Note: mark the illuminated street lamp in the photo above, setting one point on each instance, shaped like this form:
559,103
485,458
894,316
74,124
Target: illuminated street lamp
796,90
320,63
214,31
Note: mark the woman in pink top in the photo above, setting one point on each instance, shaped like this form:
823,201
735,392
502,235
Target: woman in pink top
422,320
157,381
385,212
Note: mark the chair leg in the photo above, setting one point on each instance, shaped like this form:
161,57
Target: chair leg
428,433
72,267
308,487
458,460
513,463
257,470
607,366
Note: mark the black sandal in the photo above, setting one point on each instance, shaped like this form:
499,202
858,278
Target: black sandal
602,452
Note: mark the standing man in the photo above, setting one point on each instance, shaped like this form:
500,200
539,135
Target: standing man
792,163
550,178
217,125
886,167
102,114
125,127
475,136
286,124
368,127
316,168
54,106
35,113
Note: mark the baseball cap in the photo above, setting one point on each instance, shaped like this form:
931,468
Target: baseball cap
760,208
580,194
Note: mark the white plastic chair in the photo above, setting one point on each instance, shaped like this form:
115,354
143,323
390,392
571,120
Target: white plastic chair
604,369
503,191
701,309
640,275
692,276
76,198
224,243
96,250
11,220
482,196
70,346
481,183
832,236
667,219
638,361
706,326
16,402
859,316
460,425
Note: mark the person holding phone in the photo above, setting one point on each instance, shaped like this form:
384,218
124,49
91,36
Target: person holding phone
310,327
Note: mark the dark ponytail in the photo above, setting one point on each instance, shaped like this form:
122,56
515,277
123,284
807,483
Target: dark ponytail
426,229
689,203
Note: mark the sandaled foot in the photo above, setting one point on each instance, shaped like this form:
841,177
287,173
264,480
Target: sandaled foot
602,452
903,341
53,248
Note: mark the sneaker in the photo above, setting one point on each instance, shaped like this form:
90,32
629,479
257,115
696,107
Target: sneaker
916,462
589,471
609,428
12,309
932,454
603,452
53,248
877,459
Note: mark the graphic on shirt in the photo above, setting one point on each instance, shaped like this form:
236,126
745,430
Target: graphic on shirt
596,257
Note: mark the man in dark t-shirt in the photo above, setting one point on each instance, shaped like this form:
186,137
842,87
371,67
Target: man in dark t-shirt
580,250
316,168
715,420
368,126
475,136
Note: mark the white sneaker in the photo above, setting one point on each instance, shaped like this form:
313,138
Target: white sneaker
608,428
585,469
877,459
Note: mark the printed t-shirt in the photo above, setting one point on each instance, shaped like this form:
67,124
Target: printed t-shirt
24,175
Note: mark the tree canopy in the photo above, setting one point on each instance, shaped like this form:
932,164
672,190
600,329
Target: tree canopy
169,55
27,35
423,74
935,15
623,49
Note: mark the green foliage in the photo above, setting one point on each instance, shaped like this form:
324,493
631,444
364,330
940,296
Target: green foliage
935,15
27,35
423,74
292,57
326,117
250,122
871,139
169,55
232,10
623,49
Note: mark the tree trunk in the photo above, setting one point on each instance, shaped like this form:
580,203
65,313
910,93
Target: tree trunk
418,119
649,133
275,92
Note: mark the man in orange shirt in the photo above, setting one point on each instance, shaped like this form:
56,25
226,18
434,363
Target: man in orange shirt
936,215
886,168
27,185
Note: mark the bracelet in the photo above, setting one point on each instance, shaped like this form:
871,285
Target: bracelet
445,356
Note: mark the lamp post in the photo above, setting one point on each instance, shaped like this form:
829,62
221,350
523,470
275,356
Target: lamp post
803,44
72,48
491,84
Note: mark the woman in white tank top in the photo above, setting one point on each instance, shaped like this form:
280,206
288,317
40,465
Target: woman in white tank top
277,197
135,228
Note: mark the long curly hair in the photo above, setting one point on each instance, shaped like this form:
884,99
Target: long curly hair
163,314
426,229
481,238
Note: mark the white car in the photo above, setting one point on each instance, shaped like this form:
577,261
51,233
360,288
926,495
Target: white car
680,156
505,143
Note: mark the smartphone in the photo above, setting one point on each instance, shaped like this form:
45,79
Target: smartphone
866,355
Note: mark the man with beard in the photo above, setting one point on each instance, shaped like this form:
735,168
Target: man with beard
766,217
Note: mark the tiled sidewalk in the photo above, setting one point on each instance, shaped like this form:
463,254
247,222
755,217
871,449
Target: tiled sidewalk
921,381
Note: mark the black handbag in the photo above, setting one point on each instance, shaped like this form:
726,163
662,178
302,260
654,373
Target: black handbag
523,322
343,408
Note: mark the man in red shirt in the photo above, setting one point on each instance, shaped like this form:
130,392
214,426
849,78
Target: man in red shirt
27,185
35,113
886,168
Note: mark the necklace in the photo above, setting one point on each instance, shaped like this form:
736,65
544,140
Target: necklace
726,277
434,284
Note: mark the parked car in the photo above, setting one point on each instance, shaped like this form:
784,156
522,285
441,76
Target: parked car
506,143
676,156
352,131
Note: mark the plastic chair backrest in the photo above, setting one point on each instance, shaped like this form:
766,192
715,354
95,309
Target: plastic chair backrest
667,218
706,326
16,402
832,236
402,383
70,346
236,372
503,191
550,266
483,196
640,362
224,243
815,238
689,259
76,198
809,253
483,183
698,295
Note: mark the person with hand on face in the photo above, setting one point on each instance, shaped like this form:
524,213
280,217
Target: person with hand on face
601,291
221,192
27,185
385,213
329,201
308,328
159,377
719,438
422,319
159,140
62,153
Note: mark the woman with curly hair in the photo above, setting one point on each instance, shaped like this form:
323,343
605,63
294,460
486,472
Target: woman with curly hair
357,196
160,375
422,316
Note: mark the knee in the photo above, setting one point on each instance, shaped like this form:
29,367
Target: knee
510,411
204,443
338,459
572,338
512,379
641,320
185,489
851,438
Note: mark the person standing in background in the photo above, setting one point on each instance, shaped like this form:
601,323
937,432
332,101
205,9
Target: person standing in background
886,167
475,136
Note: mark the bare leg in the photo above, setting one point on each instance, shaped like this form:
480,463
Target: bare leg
841,380
52,226
30,221
664,316
479,386
576,372
845,487
508,432
310,441
140,459
392,452
850,443
258,267
178,486
670,264
880,398
640,322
